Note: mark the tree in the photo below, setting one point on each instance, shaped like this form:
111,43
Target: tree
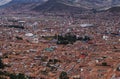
66,39
19,76
118,69
63,75
12,76
104,64
1,64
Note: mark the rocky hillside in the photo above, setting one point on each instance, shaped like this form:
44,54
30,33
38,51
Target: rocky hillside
21,4
58,6
97,4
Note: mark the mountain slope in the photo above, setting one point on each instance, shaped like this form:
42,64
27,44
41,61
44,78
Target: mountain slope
3,2
22,4
58,6
115,9
96,4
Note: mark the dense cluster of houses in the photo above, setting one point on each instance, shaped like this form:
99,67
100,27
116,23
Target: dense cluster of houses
34,46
